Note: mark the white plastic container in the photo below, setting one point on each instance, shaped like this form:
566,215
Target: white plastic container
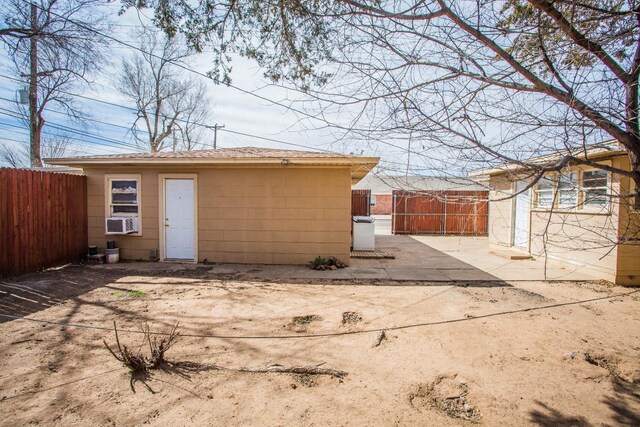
112,255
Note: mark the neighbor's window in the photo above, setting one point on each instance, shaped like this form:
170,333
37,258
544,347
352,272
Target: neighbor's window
124,197
568,190
595,187
544,192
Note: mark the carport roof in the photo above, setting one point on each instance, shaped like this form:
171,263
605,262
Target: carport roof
360,166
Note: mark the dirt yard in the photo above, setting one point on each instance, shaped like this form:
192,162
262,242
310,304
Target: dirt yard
521,353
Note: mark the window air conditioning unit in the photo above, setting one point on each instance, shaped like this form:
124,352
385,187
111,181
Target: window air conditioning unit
122,225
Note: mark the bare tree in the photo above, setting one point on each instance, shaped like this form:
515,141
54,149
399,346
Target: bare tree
14,157
167,101
476,83
52,146
196,112
55,45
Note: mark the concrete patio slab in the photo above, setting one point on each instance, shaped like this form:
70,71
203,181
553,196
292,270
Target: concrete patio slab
418,258
369,273
475,252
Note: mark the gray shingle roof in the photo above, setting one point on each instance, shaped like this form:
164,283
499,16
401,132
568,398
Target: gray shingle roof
383,184
222,153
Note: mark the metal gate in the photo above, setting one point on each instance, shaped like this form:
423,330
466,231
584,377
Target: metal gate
450,212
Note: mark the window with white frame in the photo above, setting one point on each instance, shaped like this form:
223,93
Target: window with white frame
586,190
544,192
568,190
595,188
124,197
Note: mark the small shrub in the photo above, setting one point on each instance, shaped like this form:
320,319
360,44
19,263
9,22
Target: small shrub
318,262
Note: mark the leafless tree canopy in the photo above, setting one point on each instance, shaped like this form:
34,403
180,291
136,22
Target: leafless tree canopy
475,82
68,54
170,106
53,146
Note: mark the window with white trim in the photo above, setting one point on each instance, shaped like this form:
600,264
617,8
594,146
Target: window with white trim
124,197
568,190
544,192
595,188
587,190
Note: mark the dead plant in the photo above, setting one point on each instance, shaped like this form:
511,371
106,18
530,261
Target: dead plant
136,362
140,365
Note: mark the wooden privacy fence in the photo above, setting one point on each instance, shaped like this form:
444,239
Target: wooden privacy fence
43,220
360,202
459,213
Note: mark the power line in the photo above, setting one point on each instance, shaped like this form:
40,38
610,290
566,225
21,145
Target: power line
179,120
76,140
90,118
270,139
73,150
9,113
78,132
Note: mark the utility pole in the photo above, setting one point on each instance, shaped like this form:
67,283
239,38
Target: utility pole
34,124
215,134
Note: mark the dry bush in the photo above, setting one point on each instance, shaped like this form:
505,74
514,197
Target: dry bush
139,364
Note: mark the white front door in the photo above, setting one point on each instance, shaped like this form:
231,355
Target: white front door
179,221
521,216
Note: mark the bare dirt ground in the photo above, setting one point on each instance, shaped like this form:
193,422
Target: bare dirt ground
454,354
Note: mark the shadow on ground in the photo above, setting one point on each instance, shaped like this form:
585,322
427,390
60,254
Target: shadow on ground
416,264
622,413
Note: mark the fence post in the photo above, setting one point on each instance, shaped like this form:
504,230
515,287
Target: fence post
393,212
444,217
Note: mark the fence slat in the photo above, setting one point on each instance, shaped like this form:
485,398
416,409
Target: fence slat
447,212
43,221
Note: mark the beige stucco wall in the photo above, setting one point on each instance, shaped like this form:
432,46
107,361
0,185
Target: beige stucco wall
500,211
580,238
269,215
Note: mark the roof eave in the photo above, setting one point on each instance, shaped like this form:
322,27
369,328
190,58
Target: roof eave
514,167
88,162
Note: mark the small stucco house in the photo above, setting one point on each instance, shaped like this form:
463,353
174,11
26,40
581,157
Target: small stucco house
580,216
236,205
382,187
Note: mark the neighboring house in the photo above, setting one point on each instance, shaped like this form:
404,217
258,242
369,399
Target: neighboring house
580,216
382,187
241,205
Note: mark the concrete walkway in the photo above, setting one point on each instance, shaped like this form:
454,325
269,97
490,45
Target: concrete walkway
418,258
475,252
